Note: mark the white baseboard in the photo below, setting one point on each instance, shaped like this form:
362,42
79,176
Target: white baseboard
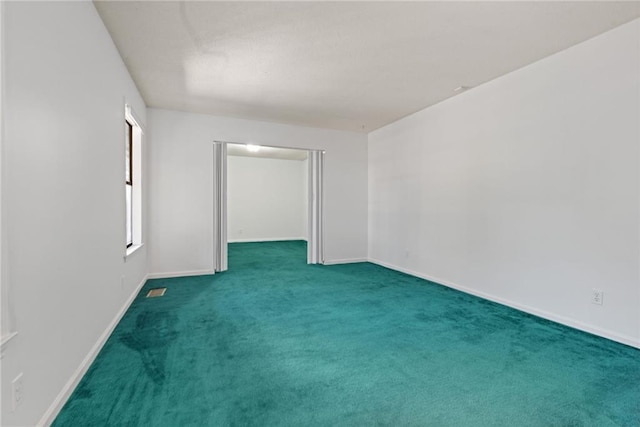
53,411
624,339
345,261
275,239
167,275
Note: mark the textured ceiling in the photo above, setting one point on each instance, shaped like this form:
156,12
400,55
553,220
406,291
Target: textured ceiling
342,65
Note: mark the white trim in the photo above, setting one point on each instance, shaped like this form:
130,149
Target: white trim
286,147
220,260
624,339
315,246
275,239
137,195
345,261
131,116
169,274
131,250
60,400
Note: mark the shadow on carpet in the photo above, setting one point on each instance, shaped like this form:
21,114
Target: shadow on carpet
277,342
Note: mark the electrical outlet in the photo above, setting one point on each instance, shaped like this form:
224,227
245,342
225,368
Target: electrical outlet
17,390
597,296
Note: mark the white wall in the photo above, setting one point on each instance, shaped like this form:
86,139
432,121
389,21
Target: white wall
6,321
64,195
524,190
266,199
181,175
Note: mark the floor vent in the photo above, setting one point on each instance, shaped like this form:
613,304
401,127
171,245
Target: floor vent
157,292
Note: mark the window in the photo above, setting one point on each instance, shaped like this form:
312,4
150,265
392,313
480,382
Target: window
132,181
128,157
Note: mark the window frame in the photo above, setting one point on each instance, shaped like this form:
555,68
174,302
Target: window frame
134,131
129,182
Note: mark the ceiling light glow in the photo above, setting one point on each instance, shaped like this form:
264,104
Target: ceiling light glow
253,148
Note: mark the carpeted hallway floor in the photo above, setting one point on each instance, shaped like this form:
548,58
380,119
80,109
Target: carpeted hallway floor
275,342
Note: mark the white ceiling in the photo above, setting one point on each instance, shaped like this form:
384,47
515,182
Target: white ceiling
241,150
342,65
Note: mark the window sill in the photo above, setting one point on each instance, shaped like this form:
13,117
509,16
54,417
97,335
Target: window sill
5,340
131,250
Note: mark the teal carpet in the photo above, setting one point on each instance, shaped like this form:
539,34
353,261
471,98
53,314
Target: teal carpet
275,342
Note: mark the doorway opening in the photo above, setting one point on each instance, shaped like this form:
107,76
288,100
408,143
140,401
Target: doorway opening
267,198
